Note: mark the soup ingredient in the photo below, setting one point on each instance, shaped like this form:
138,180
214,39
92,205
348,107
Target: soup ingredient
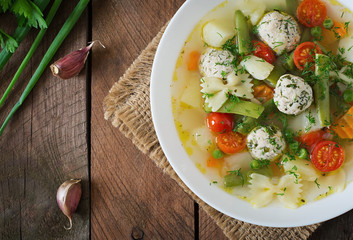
217,154
243,33
231,142
280,31
292,94
348,95
263,93
193,62
257,67
263,190
328,23
220,122
64,31
316,32
327,156
214,162
309,140
72,64
304,55
257,164
68,196
216,32
343,127
263,51
240,107
233,178
31,51
321,89
303,168
20,33
217,91
216,63
311,13
266,143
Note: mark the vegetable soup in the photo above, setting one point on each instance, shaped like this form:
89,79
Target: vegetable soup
262,95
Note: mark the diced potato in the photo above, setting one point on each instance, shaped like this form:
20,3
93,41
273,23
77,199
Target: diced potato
254,10
304,168
347,44
191,95
203,137
217,32
306,121
257,67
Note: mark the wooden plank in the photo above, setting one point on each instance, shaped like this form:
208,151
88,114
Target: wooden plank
45,143
208,228
131,197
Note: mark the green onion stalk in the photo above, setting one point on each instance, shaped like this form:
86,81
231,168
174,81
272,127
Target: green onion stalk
19,34
31,51
64,31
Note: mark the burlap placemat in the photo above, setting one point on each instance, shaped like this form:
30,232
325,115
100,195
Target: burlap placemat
127,106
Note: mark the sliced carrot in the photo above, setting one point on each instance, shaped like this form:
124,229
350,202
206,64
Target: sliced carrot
193,61
343,127
331,36
263,92
214,163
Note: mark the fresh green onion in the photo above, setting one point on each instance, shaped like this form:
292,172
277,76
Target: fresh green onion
217,154
19,34
64,31
31,51
328,23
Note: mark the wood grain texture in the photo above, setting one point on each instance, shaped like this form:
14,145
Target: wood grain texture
131,197
45,143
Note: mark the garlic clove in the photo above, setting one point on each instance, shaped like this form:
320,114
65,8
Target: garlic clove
72,64
68,196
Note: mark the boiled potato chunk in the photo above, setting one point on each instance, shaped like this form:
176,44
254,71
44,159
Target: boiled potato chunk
191,95
347,43
254,10
217,32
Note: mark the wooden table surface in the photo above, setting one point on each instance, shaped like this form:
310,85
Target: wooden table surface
59,133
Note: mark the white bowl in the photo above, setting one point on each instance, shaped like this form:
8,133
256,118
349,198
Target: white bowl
168,51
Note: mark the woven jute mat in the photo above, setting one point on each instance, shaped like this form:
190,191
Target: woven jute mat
127,106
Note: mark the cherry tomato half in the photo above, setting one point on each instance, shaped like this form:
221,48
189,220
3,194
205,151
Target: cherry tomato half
231,142
220,122
304,55
327,156
263,51
311,13
309,140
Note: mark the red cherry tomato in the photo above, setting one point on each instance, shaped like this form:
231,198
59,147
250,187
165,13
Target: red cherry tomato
231,142
263,51
304,55
311,13
327,156
309,140
220,122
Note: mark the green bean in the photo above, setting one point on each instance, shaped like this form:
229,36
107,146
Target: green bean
276,73
232,180
306,35
240,107
243,33
292,6
64,31
31,51
321,89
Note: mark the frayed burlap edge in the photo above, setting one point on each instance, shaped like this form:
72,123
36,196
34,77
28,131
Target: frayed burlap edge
127,106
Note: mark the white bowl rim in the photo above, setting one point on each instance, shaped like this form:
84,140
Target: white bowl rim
161,77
